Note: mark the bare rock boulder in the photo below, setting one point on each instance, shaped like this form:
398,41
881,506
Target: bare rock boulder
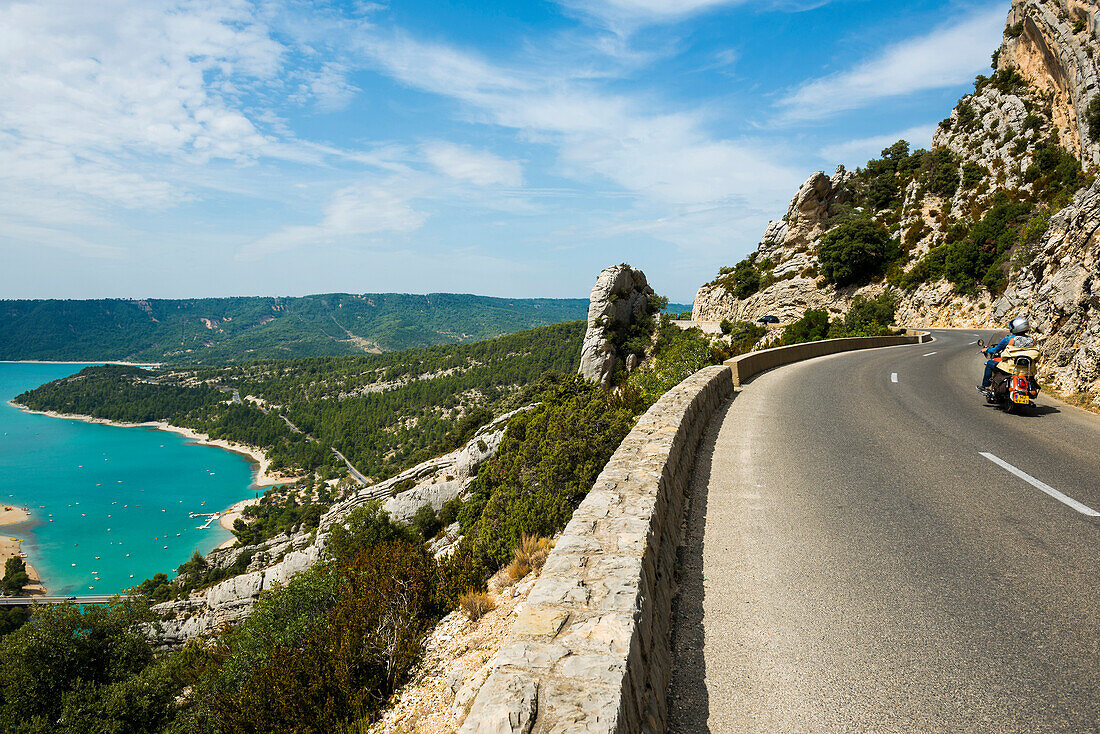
619,299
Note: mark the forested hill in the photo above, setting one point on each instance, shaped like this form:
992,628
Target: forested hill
385,412
222,330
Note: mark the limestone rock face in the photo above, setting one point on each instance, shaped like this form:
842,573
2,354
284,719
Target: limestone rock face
1059,290
619,298
807,214
1042,43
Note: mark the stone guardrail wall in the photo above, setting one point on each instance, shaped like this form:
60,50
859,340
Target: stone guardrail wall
589,651
753,363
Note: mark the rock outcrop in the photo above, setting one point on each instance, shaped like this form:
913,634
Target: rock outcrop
1052,43
619,298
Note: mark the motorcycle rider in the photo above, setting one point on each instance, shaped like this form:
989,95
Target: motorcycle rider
1018,337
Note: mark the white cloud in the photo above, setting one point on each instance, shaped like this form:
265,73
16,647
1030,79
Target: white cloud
478,167
28,235
626,16
853,153
328,87
354,212
948,56
662,157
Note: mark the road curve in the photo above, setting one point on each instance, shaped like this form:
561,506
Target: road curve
855,563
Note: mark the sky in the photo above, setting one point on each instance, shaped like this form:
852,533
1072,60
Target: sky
158,148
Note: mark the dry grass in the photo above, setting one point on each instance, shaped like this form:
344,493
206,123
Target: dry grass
476,604
530,556
1085,400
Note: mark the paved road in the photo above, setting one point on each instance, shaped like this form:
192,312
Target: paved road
20,601
355,473
855,564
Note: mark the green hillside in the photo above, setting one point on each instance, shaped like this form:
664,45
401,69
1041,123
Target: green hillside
221,330
385,412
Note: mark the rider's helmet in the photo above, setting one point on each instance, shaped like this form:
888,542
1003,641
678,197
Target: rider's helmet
1019,325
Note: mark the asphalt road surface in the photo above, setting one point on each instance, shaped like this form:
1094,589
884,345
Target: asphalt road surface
856,563
21,601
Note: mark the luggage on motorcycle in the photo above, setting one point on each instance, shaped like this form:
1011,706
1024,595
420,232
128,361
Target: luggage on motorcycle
1011,354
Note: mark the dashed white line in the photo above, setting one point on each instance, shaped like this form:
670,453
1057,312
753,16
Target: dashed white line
893,377
929,354
1042,486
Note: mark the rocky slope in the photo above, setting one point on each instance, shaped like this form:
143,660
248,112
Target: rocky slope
277,560
996,148
1060,290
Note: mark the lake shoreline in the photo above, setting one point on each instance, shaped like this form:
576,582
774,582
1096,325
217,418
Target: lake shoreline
11,519
262,474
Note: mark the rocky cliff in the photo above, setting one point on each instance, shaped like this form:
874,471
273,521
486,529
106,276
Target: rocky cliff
1052,44
996,219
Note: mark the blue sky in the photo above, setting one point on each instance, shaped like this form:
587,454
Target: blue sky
154,148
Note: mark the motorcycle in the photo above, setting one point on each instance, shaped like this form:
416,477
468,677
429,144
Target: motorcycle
1013,386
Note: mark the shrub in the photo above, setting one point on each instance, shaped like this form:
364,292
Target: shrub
548,459
940,170
1079,25
1034,228
476,604
870,316
327,649
426,522
677,355
1055,175
965,115
448,513
90,667
972,175
1014,30
364,528
1008,80
1092,118
530,555
853,252
977,258
743,279
813,326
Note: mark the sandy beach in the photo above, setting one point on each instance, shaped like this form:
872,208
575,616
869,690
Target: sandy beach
11,545
230,516
262,476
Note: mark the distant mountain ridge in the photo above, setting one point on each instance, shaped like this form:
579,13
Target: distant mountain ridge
221,330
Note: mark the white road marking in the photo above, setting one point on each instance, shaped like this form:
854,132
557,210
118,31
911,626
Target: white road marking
929,354
893,377
1042,486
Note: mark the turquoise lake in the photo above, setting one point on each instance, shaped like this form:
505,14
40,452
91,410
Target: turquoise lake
107,501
